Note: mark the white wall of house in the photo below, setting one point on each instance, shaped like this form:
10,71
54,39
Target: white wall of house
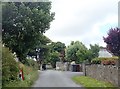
104,53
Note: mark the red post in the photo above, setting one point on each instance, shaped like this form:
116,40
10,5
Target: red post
21,72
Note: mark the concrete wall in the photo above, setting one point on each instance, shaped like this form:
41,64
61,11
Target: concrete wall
107,73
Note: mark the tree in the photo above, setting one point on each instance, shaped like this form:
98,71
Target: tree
42,44
23,25
60,48
113,41
41,50
93,52
76,51
54,57
56,53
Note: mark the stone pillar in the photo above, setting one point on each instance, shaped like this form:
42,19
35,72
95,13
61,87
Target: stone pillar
118,72
84,69
119,76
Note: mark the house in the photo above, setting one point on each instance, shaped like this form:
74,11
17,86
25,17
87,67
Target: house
104,52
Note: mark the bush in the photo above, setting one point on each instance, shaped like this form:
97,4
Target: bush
109,60
32,63
30,75
105,61
96,61
10,71
9,66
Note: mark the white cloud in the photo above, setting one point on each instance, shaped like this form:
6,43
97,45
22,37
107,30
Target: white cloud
82,20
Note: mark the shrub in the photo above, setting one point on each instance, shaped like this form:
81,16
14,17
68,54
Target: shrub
9,66
96,61
32,63
109,60
30,75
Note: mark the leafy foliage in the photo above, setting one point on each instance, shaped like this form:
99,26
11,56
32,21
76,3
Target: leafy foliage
30,74
96,61
23,25
9,66
108,58
105,60
58,47
43,47
32,63
76,52
56,53
93,52
113,41
54,57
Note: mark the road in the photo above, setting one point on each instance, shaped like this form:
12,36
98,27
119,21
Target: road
53,78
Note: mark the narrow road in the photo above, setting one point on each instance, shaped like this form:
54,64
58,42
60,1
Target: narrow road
53,78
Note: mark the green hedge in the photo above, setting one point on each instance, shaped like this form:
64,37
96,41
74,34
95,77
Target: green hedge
10,71
9,66
105,60
30,75
108,58
96,61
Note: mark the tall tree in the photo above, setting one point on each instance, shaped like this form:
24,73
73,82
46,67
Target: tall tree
113,41
76,51
93,52
54,57
60,48
42,48
57,53
23,25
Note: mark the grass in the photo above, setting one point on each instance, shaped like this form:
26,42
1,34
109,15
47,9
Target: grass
30,75
89,82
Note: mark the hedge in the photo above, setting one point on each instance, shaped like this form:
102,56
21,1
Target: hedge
105,60
9,66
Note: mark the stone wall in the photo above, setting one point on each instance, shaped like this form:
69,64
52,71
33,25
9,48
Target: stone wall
66,66
107,73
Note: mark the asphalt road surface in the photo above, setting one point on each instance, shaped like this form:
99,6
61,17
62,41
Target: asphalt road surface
54,78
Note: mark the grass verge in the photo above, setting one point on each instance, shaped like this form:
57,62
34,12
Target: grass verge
89,82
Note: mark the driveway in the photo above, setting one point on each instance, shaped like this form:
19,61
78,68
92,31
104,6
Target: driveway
54,78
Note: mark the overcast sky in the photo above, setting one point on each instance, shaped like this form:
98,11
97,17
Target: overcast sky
84,20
